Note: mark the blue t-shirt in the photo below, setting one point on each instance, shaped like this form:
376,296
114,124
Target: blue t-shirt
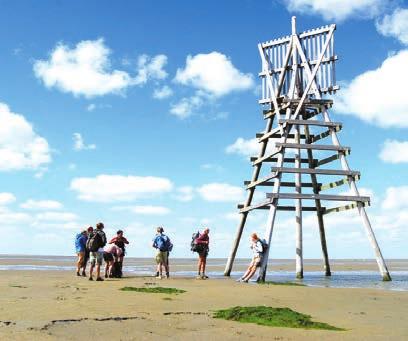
80,242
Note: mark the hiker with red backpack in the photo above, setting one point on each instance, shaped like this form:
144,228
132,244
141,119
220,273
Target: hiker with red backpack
163,245
95,244
200,244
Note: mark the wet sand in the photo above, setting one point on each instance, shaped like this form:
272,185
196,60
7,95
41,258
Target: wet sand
55,305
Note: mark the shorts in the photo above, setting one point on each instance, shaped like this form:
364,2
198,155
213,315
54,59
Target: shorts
203,253
81,257
162,257
96,257
108,257
256,261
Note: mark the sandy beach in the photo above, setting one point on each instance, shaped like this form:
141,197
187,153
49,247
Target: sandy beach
51,305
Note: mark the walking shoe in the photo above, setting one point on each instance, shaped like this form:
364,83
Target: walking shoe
159,277
78,274
99,279
156,275
199,277
167,275
204,277
90,278
83,274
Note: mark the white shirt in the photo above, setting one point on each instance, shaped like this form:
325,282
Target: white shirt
257,248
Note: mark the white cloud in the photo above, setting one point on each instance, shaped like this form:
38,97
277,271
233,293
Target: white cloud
108,188
396,198
20,146
244,147
395,25
221,192
79,143
150,68
163,92
212,166
184,193
6,198
41,205
214,73
186,106
394,151
337,10
379,96
56,216
82,70
14,218
91,107
144,210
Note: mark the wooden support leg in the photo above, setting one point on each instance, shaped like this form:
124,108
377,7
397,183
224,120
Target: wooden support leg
268,236
298,205
318,210
255,175
231,258
361,210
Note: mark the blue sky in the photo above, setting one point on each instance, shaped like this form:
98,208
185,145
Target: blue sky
144,113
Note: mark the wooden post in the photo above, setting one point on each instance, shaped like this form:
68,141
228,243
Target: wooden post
319,213
255,175
361,210
298,184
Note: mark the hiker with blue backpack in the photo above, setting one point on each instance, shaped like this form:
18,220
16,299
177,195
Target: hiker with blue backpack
163,245
80,247
258,247
201,245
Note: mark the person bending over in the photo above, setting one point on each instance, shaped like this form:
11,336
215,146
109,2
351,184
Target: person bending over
112,253
258,249
120,241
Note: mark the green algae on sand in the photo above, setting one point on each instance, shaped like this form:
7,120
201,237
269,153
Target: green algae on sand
273,317
154,290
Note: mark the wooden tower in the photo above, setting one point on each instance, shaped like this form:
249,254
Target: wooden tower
297,71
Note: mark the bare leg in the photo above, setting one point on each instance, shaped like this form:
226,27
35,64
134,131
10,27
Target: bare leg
251,272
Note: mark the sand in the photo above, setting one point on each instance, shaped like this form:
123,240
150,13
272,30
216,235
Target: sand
59,306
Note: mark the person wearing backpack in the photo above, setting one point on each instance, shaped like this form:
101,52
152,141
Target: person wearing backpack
163,245
95,245
202,243
80,246
258,247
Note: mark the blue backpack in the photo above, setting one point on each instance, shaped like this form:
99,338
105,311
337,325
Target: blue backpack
163,243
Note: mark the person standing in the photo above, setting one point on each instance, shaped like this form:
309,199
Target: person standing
80,247
203,247
86,258
95,244
258,250
163,245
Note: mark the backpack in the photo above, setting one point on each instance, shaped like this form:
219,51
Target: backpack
194,246
116,270
163,243
94,242
264,245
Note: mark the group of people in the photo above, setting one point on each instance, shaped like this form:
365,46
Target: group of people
91,244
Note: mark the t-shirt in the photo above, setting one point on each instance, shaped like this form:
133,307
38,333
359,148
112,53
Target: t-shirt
80,242
257,248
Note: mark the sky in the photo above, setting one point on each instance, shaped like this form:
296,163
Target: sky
141,114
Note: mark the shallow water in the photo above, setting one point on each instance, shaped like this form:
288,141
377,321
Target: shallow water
362,273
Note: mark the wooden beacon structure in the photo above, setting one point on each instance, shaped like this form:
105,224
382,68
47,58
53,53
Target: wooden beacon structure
297,71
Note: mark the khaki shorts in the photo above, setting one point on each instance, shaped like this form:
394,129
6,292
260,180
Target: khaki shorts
162,257
81,257
96,257
256,261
